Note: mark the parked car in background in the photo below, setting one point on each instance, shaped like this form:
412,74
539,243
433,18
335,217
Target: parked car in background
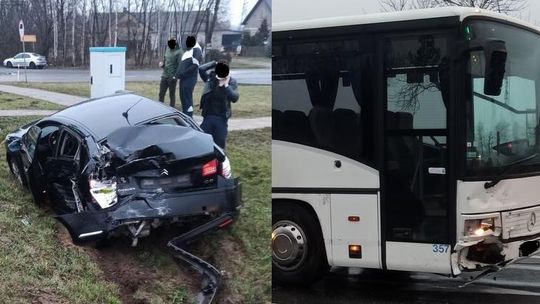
31,60
140,166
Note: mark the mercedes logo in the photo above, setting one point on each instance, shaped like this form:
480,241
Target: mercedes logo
164,172
531,222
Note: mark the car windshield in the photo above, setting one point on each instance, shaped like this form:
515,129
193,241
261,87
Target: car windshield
504,128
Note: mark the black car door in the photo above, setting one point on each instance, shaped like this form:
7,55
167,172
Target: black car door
62,174
32,169
28,147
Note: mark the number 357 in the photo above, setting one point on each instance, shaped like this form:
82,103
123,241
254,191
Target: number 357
440,248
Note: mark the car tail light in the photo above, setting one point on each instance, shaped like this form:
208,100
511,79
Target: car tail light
210,168
103,192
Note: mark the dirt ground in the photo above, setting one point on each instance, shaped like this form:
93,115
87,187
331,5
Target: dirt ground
120,265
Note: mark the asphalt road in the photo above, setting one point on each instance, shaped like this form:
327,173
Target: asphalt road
519,283
243,76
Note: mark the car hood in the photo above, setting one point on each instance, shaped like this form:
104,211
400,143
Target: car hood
141,147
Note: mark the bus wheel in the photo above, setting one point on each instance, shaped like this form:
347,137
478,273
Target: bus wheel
298,254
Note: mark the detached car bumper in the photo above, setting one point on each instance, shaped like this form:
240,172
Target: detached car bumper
95,225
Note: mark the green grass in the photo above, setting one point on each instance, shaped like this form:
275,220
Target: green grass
16,102
250,62
35,263
255,100
250,262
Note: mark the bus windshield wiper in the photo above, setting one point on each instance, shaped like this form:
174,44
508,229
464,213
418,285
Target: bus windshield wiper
508,169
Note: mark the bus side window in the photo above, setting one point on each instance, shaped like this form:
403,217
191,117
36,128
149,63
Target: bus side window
322,95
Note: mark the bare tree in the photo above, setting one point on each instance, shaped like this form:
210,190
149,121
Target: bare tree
211,24
501,6
83,38
394,5
55,33
66,28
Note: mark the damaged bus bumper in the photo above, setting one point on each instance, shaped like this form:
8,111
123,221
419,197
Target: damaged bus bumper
139,211
514,235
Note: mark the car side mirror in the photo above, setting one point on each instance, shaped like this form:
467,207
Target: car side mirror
495,54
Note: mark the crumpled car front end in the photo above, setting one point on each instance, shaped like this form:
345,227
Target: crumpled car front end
147,176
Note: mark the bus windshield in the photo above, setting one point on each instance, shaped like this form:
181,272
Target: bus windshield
505,128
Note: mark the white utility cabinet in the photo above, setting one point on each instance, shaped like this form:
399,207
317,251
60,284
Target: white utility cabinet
107,70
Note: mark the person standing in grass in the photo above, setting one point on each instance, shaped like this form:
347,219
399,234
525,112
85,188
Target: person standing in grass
187,73
170,63
218,93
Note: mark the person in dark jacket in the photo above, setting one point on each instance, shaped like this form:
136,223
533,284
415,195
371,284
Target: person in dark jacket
220,89
187,73
170,62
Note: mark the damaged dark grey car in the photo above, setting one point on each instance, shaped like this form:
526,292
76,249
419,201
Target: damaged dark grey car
123,164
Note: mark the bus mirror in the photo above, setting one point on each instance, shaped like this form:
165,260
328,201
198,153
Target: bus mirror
495,54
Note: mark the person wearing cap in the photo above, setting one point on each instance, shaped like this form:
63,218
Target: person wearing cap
170,63
220,89
187,73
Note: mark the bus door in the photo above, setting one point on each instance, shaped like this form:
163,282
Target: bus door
415,180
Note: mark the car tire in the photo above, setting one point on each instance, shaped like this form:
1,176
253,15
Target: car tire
16,170
32,65
303,262
9,64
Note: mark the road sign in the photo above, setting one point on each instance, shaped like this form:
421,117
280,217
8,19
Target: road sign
21,35
21,29
29,38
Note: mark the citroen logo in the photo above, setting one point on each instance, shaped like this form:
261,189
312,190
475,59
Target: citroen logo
164,172
531,222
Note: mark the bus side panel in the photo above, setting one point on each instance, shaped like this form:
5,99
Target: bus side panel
355,222
434,258
321,204
300,166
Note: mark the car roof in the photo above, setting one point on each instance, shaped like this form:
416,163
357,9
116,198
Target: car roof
344,15
103,115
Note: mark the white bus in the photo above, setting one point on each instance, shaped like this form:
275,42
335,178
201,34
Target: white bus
404,141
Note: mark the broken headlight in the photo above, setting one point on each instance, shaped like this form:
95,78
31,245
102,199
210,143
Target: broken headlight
103,192
480,227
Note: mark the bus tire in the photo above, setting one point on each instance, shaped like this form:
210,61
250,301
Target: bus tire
298,252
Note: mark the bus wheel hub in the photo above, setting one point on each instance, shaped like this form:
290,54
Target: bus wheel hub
289,245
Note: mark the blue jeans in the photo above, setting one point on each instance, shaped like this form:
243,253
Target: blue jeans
217,127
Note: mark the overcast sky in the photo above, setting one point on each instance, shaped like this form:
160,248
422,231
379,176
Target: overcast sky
236,10
530,13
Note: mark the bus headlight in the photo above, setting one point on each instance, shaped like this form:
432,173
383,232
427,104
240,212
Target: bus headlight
480,227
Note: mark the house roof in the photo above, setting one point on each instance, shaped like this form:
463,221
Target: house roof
255,7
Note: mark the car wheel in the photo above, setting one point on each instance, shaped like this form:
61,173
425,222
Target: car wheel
32,65
298,254
16,170
9,64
